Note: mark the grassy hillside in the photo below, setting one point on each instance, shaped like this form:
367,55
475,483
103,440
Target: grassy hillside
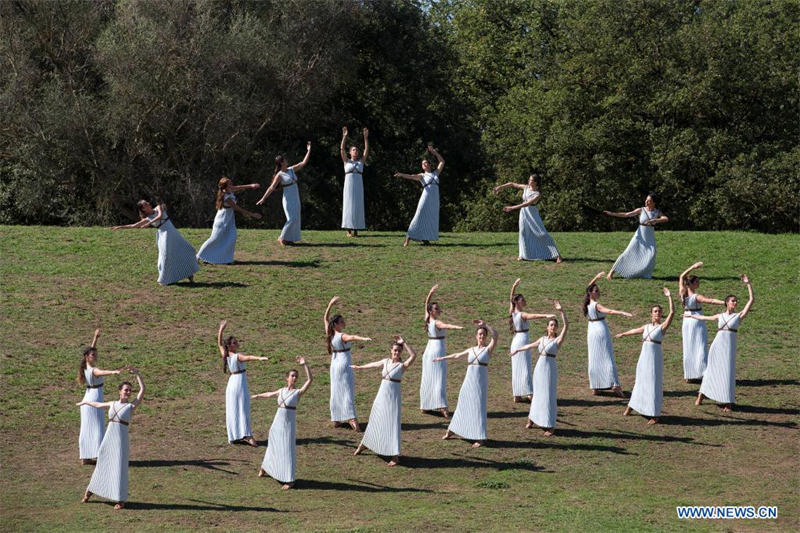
600,471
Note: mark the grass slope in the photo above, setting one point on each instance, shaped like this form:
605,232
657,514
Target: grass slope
601,471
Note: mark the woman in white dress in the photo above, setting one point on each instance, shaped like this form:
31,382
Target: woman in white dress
647,395
639,258
719,381
343,381
382,435
433,384
110,476
281,455
521,367
469,418
219,247
425,224
92,423
695,333
534,241
353,218
285,176
176,257
237,393
602,365
544,406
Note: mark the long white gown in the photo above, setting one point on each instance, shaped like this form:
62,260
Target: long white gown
521,367
647,395
176,257
695,336
719,381
291,205
602,365
219,247
545,380
110,476
433,384
353,196
343,381
534,241
639,258
280,459
92,423
382,435
469,418
237,400
425,224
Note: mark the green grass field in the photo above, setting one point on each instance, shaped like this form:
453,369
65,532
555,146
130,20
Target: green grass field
600,472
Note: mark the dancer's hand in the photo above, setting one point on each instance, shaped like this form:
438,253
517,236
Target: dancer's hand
308,146
365,131
398,339
557,305
745,279
344,131
666,292
629,315
300,360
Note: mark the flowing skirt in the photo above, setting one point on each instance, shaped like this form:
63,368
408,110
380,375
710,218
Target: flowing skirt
425,224
433,386
719,381
534,241
648,390
545,380
92,425
218,249
280,458
176,257
521,367
695,356
602,365
110,476
639,258
291,207
343,388
237,408
353,202
469,419
382,435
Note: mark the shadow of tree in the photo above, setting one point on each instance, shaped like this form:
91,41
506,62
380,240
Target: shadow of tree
205,506
209,464
204,284
314,263
468,462
362,486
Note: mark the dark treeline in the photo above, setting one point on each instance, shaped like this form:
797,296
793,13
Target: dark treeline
106,102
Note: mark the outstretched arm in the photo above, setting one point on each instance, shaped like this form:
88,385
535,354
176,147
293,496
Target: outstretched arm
270,189
537,316
442,325
634,213
638,330
413,177
96,405
301,164
343,145
242,357
452,356
564,324
713,301
348,338
239,188
220,332
143,223
704,318
271,394
428,301
440,166
526,203
376,364
97,372
658,220
309,378
608,311
511,296
530,346
245,212
507,184
366,146
668,320
749,303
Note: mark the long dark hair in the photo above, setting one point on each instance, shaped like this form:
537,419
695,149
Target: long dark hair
514,300
82,367
278,163
222,186
331,332
128,383
587,298
653,197
428,308
225,348
690,280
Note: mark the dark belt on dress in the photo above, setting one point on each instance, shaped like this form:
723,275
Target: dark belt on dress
290,407
339,351
728,329
119,421
548,355
654,342
521,330
693,309
479,364
239,372
595,319
94,386
393,380
436,338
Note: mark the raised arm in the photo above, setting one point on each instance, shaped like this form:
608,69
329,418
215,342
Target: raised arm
492,333
668,320
309,378
634,213
220,333
413,177
96,336
451,356
507,184
683,290
511,296
638,330
439,158
428,301
595,278
564,325
272,186
366,146
411,353
140,394
301,164
749,303
327,314
343,145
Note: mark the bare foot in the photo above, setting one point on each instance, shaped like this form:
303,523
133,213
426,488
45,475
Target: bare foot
120,505
447,435
86,461
405,242
354,425
261,472
699,400
251,441
86,496
444,412
191,279
349,233
727,408
627,411
394,461
530,398
529,424
618,391
549,432
517,399
519,259
686,380
359,449
652,421
558,259
610,274
287,486
595,392
476,444
355,233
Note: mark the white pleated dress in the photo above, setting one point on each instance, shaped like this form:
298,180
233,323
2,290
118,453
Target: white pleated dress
237,400
291,205
433,385
110,476
353,196
425,224
534,241
545,379
218,249
647,395
92,423
521,366
639,258
280,458
382,435
602,365
719,381
343,381
469,418
176,257
695,336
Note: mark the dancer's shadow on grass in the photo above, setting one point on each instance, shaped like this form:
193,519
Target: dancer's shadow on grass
363,486
329,440
208,284
578,434
314,263
441,424
209,464
680,393
569,259
469,462
765,382
204,506
509,414
726,420
550,443
573,402
336,245
739,408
